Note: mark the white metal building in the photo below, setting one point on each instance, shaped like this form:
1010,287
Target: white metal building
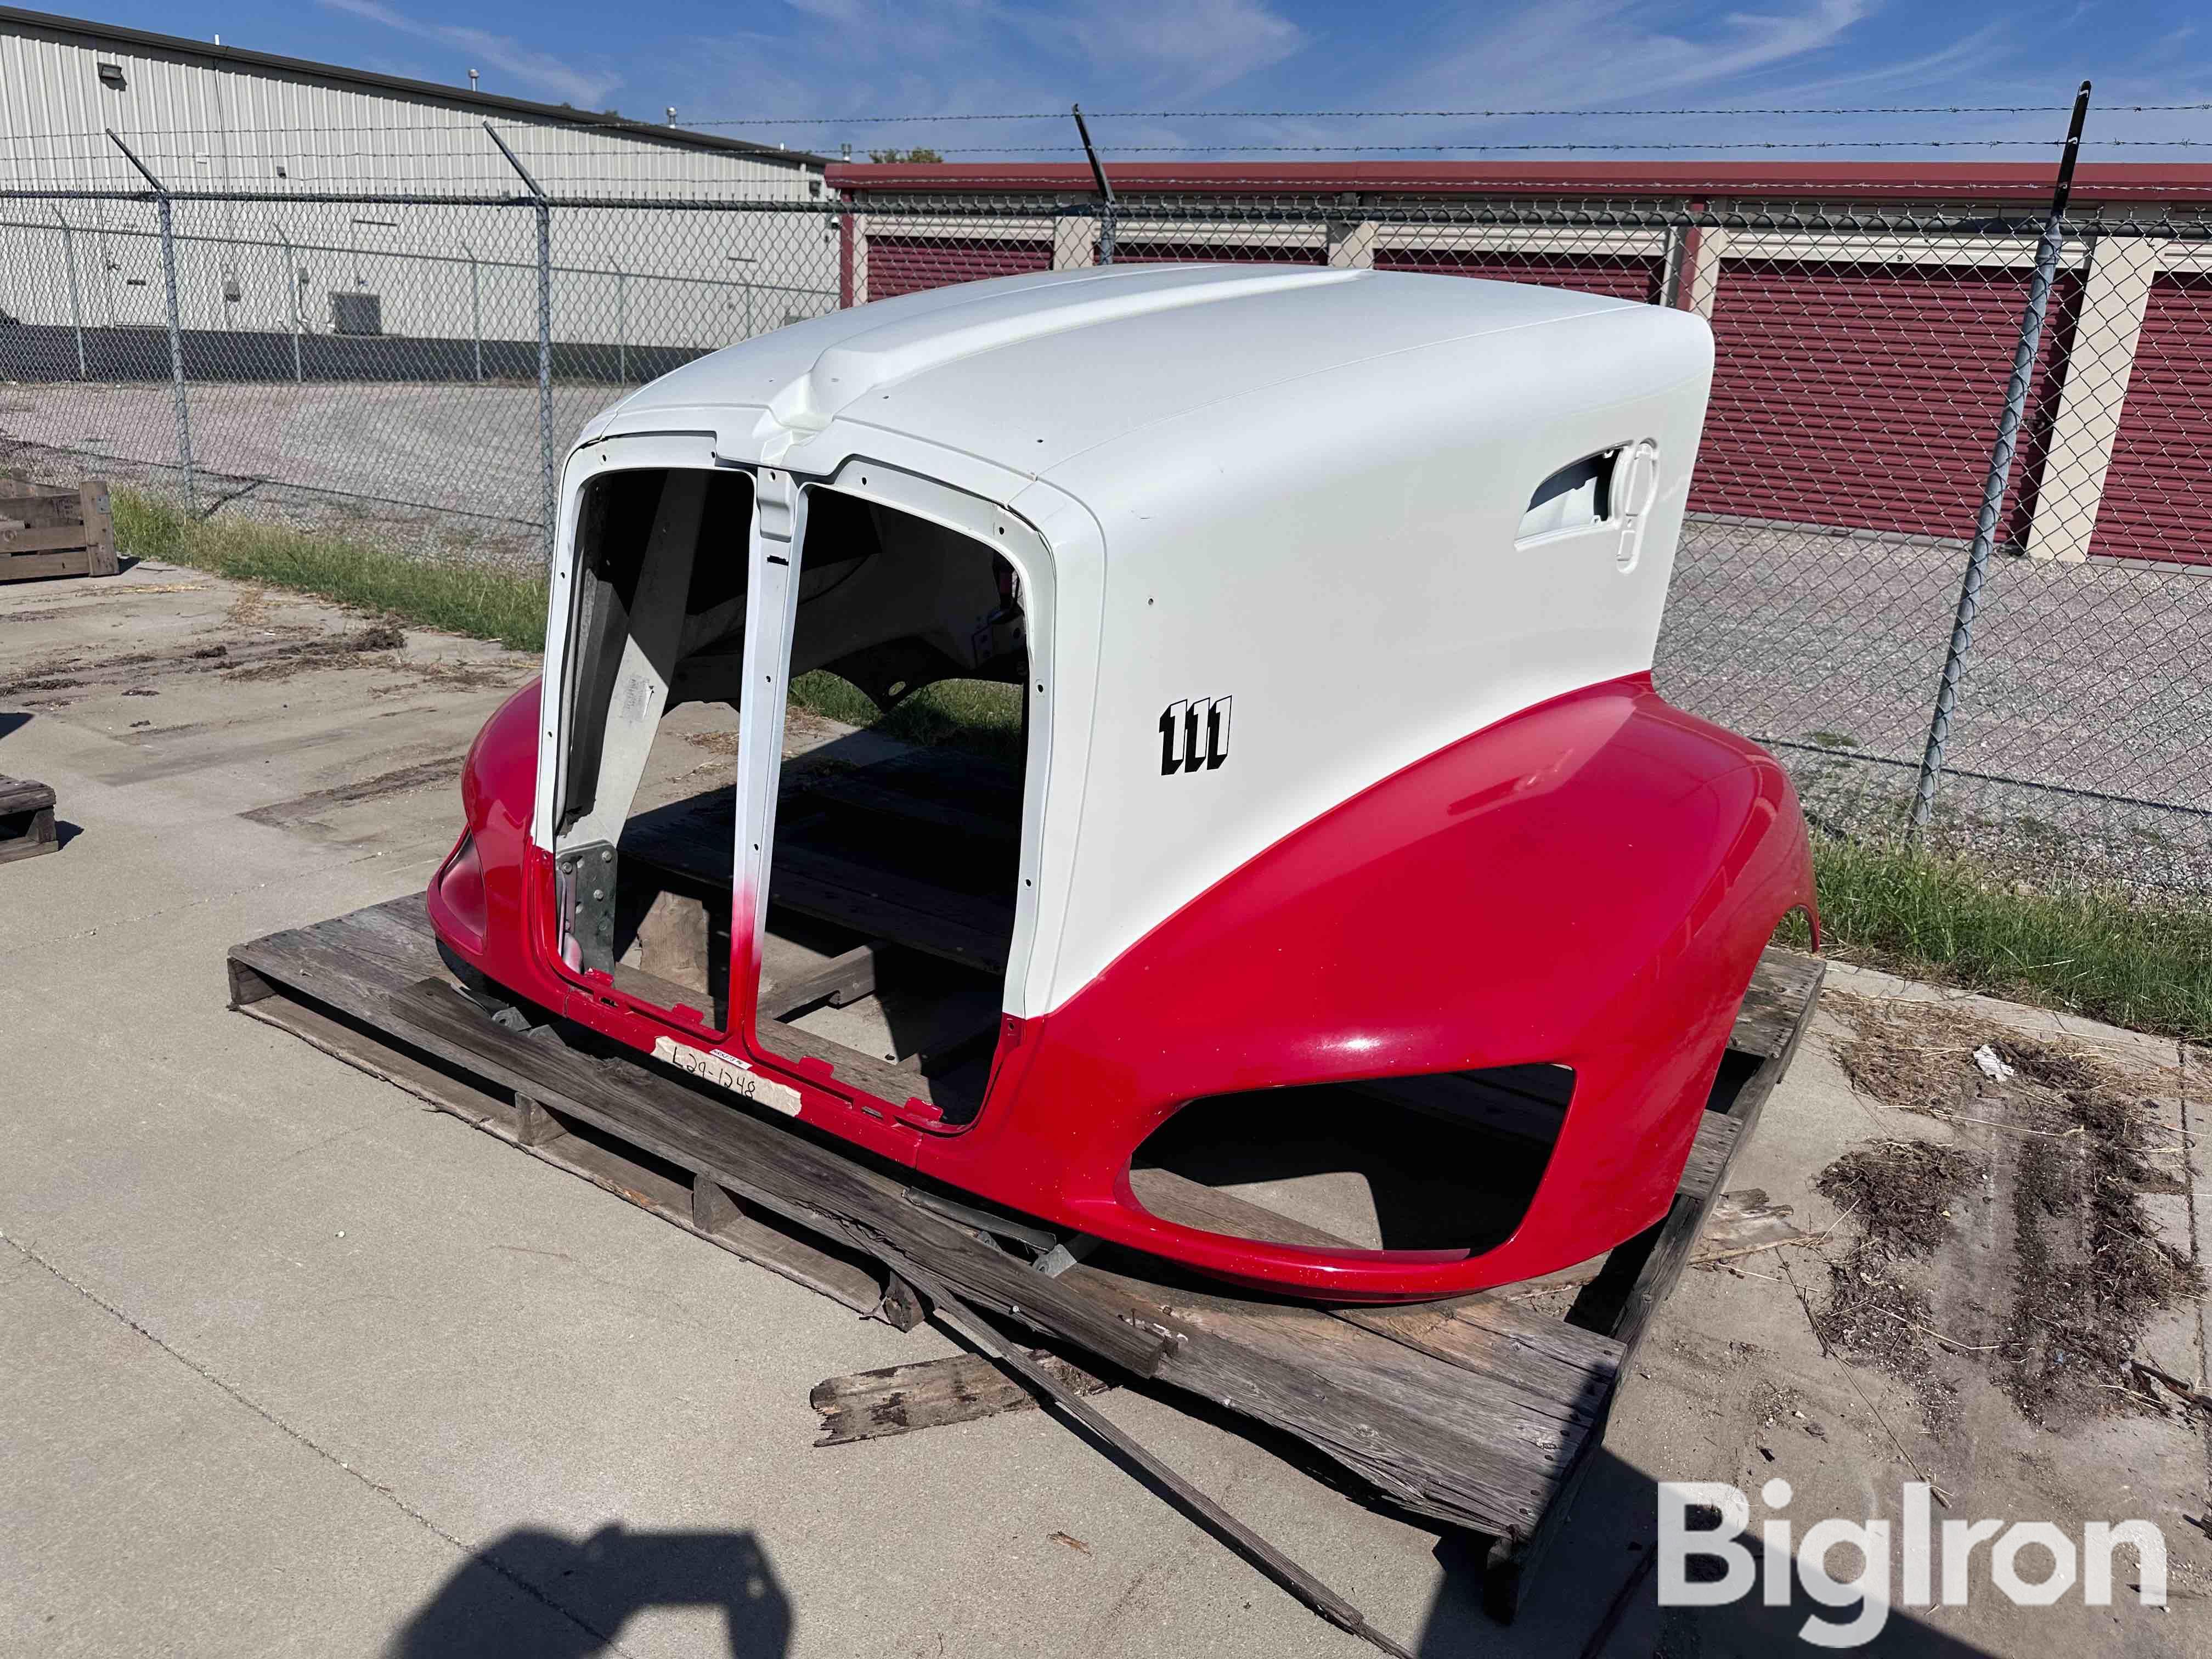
206,117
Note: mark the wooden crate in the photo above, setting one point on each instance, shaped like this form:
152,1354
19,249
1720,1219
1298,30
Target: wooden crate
26,819
47,529
1478,1412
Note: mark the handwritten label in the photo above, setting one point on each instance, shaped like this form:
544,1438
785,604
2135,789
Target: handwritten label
727,1072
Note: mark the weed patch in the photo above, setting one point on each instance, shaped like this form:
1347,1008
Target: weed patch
2120,957
486,604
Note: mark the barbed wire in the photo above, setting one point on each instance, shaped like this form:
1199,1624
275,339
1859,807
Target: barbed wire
26,147
468,122
1112,153
1433,115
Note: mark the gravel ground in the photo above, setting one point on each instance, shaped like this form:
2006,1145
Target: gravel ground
452,470
2085,683
2083,678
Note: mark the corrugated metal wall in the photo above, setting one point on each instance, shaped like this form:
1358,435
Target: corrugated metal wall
215,126
687,278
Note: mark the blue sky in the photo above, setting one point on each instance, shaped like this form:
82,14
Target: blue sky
844,60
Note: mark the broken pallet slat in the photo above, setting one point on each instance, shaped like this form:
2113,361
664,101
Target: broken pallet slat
960,1388
26,819
1163,1477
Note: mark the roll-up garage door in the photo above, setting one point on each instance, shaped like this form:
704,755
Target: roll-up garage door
908,264
1619,276
1165,253
1867,396
2157,500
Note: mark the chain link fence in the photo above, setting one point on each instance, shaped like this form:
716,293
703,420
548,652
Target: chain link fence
371,362
411,366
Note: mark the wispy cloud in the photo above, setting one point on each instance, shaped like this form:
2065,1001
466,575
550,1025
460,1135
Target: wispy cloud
1057,51
541,71
1984,46
1588,54
1195,46
840,61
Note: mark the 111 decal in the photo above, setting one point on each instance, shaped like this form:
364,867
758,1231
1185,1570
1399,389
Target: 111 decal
1195,734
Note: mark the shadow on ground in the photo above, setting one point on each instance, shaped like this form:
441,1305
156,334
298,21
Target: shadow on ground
586,1589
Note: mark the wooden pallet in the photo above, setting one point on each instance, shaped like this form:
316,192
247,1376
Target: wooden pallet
48,530
1479,1412
26,819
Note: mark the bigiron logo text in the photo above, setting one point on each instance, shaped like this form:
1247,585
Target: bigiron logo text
2032,1564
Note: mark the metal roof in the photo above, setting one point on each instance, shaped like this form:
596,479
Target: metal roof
1984,181
207,54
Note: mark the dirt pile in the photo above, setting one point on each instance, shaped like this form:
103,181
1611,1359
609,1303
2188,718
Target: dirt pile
2053,1153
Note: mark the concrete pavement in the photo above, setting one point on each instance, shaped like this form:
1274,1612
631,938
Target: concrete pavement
292,1364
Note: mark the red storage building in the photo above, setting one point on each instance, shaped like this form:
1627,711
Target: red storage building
1861,371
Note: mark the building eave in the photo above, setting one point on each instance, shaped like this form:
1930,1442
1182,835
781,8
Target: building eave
206,54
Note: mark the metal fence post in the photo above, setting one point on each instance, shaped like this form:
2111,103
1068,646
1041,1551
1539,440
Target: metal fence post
2000,471
622,330
177,353
1105,189
176,332
291,296
77,300
1670,266
476,311
549,492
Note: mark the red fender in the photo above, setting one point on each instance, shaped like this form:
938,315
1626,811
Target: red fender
1589,882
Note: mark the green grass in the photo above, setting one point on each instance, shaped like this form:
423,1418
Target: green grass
981,715
492,604
486,604
2109,955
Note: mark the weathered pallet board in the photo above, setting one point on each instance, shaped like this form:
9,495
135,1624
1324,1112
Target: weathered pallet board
26,819
46,531
960,1388
1480,1413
